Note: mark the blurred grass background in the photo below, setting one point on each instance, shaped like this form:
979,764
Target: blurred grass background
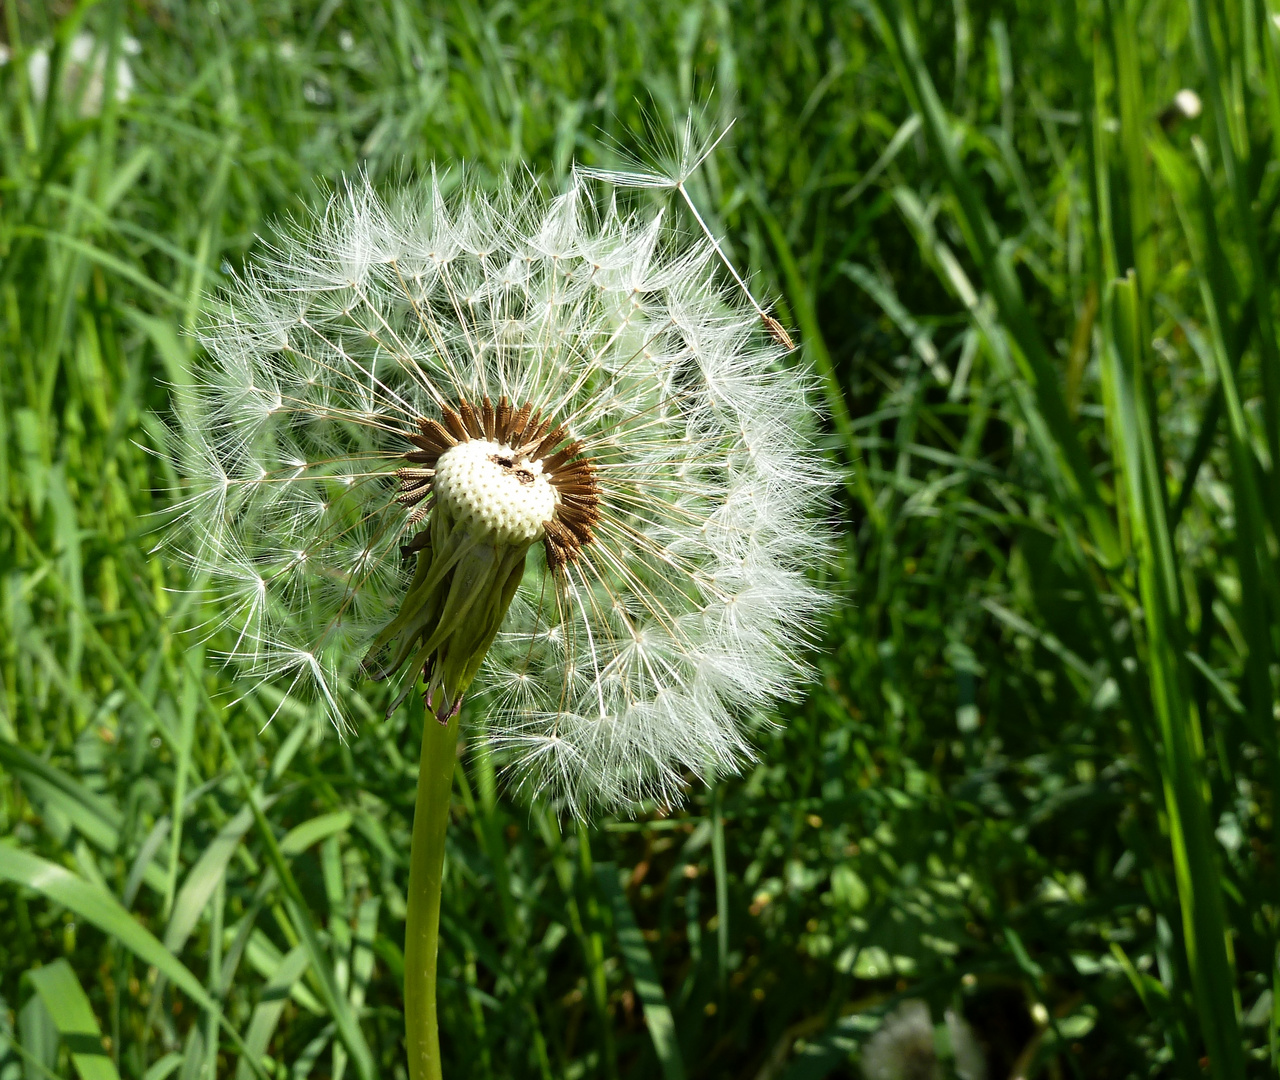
1036,781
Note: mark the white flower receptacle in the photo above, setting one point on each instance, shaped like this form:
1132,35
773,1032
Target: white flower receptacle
495,490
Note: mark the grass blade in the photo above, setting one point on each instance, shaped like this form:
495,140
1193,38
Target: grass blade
203,878
97,906
898,33
1196,871
334,1001
270,1007
635,954
69,1008
1237,170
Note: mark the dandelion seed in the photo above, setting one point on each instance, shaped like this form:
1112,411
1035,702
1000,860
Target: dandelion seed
531,449
685,157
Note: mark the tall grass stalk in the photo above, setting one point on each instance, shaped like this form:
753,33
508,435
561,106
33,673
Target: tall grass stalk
1206,930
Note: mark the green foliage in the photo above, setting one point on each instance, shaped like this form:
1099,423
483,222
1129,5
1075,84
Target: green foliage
1036,779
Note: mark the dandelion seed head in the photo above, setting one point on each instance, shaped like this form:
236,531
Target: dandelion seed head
533,448
905,1047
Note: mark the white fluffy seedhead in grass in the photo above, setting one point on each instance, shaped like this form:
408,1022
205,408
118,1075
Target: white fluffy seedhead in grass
907,1047
527,441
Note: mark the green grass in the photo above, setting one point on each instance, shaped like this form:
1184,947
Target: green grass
1036,780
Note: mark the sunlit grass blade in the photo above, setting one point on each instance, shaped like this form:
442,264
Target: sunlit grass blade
1191,186
585,929
270,1007
93,816
203,878
335,1002
1236,165
72,1014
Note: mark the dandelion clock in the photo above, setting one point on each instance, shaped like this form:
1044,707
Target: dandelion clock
532,452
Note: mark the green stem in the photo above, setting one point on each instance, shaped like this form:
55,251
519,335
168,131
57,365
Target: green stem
422,922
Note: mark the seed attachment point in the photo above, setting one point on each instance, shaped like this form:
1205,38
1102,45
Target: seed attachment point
524,476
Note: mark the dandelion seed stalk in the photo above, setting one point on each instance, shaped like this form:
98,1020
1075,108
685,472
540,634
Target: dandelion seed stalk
522,448
422,918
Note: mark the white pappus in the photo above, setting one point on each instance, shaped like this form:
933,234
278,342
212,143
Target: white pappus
528,440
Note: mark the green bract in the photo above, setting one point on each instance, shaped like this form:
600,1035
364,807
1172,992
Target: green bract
465,580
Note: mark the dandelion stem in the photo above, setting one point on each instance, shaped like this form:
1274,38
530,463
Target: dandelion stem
422,921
